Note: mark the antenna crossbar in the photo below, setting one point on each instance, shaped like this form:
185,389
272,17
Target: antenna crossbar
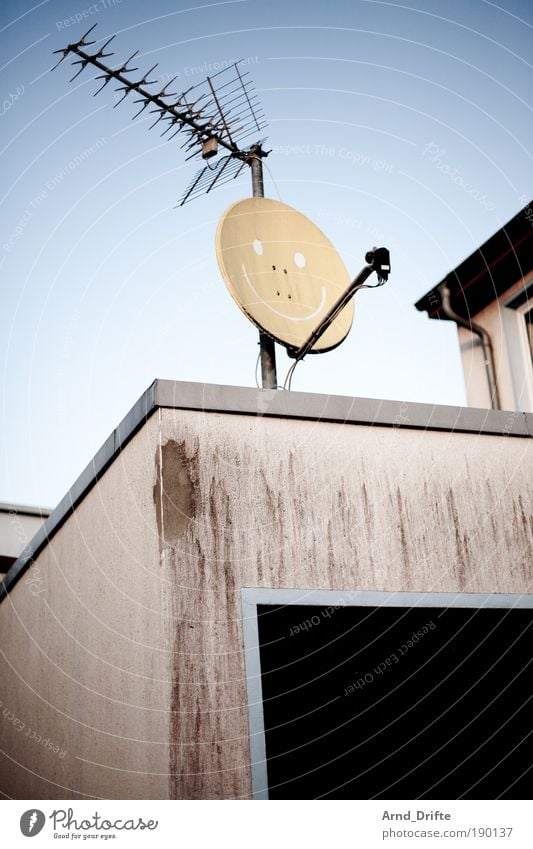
206,111
149,98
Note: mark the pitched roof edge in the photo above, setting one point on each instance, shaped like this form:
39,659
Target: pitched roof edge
504,258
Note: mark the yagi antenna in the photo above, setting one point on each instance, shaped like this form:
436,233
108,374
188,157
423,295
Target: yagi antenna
218,116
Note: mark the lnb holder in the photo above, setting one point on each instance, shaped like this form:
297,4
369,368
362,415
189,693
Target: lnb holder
378,260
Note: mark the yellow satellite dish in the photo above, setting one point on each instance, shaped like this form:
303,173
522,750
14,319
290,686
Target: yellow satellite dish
283,272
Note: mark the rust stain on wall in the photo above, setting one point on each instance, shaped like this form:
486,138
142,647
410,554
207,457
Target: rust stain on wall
403,523
174,491
461,549
176,500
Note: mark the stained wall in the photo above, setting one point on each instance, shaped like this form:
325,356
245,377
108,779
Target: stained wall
123,641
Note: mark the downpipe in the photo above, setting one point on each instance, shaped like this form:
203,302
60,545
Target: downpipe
486,343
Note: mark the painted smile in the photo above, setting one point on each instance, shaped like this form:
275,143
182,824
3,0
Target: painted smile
277,312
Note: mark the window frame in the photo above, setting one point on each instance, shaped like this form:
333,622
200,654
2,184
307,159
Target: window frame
251,597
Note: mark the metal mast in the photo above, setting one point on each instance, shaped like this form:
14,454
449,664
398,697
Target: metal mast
267,348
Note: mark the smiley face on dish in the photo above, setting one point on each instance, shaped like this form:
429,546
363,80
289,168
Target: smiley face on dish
282,271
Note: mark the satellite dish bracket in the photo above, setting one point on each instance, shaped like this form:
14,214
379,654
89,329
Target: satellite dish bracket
378,260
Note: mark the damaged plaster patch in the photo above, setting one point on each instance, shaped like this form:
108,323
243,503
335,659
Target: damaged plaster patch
174,492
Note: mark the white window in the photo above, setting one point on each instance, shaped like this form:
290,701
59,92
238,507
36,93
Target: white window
518,328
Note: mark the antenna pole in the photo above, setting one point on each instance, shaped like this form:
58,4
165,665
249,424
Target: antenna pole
266,344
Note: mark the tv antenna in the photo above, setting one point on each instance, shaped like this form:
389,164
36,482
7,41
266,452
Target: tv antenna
216,117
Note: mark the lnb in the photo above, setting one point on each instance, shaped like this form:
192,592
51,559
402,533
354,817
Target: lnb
379,259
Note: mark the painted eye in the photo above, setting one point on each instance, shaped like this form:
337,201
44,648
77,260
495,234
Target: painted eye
299,259
258,247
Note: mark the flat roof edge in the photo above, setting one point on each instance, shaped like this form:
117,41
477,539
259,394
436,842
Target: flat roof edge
341,409
25,510
239,400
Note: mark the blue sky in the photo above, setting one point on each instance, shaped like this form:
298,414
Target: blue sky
381,114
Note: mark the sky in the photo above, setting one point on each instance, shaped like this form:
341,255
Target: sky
402,124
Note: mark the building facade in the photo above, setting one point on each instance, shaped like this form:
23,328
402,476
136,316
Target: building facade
125,665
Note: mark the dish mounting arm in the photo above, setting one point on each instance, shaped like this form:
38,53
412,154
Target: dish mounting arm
378,260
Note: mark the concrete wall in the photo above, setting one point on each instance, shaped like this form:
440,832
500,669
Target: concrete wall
84,658
123,642
512,356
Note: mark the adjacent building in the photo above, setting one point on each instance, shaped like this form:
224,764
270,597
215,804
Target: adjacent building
490,297
18,526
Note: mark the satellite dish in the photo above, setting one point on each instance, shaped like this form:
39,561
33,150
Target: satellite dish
283,272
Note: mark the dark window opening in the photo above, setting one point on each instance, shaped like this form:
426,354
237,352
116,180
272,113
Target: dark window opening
397,702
